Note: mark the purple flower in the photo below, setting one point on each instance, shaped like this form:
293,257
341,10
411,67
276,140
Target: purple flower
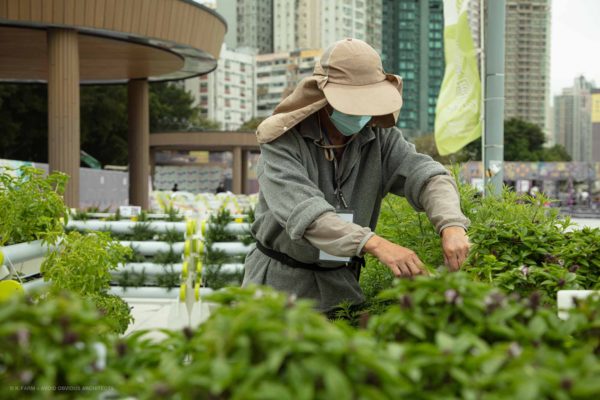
514,350
525,270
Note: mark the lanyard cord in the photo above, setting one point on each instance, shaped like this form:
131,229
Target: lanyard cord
330,156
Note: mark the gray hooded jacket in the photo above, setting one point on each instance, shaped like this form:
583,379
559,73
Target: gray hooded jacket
297,186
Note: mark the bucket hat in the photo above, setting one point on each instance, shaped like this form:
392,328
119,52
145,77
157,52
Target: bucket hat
349,76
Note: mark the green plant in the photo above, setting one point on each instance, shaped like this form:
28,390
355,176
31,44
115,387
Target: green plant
169,278
166,258
171,236
517,244
264,345
81,262
173,214
115,310
141,232
32,205
57,341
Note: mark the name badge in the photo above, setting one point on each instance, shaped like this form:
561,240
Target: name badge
348,216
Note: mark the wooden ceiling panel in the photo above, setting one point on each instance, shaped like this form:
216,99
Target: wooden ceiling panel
24,56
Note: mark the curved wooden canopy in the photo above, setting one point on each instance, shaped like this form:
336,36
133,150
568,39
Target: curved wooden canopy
118,39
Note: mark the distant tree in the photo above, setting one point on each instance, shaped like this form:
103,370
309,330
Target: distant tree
24,122
426,144
171,108
523,141
24,119
251,124
200,123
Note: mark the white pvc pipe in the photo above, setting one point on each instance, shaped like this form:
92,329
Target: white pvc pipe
35,285
111,215
232,248
235,228
152,248
147,268
18,253
564,300
158,269
231,268
152,292
126,226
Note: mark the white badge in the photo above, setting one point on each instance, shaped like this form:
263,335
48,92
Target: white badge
346,215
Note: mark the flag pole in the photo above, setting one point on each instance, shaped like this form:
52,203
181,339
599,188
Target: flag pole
482,77
494,97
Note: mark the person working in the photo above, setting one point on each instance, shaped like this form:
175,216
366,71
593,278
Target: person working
329,154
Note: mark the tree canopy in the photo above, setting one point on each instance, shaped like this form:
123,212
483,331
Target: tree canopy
523,141
24,119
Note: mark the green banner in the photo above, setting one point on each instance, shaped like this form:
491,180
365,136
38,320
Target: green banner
458,110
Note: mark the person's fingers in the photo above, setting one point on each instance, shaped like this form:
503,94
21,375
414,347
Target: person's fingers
454,263
413,267
395,270
404,269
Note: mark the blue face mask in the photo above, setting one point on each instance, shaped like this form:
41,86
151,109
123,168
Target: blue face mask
348,125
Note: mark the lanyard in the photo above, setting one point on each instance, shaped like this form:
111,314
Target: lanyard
339,194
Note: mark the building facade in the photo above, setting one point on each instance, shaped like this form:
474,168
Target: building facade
596,125
573,120
227,95
278,74
313,24
413,47
250,23
527,65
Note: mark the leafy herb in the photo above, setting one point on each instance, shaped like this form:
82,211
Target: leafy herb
32,205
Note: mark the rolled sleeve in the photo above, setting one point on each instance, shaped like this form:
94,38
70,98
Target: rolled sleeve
441,201
291,196
337,237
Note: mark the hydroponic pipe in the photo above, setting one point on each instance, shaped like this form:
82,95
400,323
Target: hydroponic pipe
34,285
152,248
152,292
232,248
158,269
18,253
565,299
109,215
126,226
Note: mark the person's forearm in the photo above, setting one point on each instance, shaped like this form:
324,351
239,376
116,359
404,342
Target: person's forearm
337,237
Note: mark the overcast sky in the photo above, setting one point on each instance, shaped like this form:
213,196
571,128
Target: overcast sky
575,42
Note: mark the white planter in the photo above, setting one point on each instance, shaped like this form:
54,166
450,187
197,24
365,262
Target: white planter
232,248
564,300
18,253
152,248
159,269
126,226
151,292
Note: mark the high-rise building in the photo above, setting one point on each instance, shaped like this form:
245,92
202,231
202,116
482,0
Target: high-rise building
278,74
596,125
228,9
317,24
573,120
249,23
271,81
284,25
527,65
413,48
227,94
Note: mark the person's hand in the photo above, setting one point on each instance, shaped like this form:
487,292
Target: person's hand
400,260
455,244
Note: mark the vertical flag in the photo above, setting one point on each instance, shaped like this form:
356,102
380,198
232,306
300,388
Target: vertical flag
458,110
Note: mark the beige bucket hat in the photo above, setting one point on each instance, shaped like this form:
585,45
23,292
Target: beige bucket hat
350,77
